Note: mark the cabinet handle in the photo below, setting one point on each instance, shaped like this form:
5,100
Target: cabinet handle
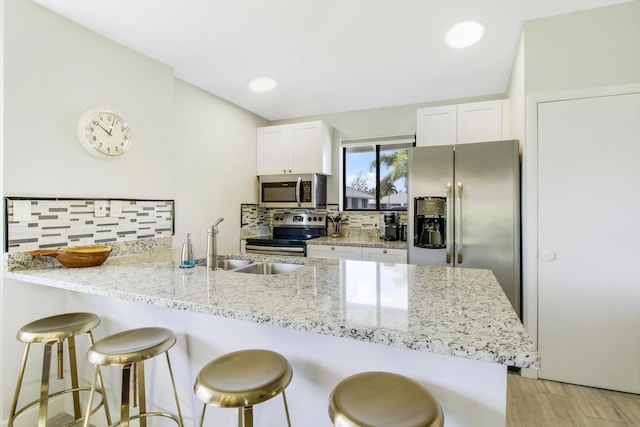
333,248
384,251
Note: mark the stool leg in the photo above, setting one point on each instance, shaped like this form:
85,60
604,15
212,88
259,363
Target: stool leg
91,393
105,403
14,404
124,405
175,391
286,408
44,385
73,367
142,396
247,416
204,408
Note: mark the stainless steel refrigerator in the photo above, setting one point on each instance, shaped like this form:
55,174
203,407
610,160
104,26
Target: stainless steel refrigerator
464,209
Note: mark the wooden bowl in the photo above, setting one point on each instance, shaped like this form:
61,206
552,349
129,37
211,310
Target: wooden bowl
80,256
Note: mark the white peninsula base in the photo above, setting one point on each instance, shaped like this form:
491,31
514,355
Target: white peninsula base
470,392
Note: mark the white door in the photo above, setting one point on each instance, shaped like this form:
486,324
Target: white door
589,231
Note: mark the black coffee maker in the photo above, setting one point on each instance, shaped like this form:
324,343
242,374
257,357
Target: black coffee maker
390,226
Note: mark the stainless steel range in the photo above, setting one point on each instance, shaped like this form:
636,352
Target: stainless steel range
290,233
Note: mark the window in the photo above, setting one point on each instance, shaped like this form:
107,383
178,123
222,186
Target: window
374,173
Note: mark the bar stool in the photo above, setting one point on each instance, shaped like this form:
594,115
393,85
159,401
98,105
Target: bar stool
51,330
377,399
243,379
130,349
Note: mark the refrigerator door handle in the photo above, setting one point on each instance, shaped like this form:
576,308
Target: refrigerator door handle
449,223
459,222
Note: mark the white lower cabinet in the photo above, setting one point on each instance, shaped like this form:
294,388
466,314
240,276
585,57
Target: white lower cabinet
357,253
341,252
384,255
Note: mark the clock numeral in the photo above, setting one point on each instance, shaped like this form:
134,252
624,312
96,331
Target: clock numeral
93,138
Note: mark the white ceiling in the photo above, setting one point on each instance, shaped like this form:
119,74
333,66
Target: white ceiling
328,56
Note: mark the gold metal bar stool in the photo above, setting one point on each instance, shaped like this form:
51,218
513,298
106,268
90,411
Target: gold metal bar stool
55,330
130,349
243,379
383,399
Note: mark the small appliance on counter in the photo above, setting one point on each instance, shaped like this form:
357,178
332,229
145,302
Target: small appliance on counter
390,226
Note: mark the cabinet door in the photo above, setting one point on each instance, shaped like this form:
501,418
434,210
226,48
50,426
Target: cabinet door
310,148
588,234
436,126
384,255
480,121
273,150
341,252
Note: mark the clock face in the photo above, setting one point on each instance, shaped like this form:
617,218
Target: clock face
104,134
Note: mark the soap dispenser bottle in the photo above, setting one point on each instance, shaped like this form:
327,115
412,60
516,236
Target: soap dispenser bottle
187,259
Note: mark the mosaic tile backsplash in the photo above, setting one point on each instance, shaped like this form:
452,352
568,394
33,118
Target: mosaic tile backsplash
55,223
256,221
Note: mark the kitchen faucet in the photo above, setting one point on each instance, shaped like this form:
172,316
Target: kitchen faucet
212,245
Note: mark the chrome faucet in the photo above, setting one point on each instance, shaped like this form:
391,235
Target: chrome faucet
212,245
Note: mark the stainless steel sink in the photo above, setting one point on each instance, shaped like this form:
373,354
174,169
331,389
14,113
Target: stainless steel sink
268,268
231,264
226,264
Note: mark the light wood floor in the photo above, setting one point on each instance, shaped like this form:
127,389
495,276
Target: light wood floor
537,403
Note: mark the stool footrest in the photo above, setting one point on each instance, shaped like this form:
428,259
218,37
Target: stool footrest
152,414
35,402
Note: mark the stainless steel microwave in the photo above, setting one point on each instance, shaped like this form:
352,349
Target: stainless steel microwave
293,191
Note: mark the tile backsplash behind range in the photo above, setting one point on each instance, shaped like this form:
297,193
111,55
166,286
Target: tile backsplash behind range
256,221
57,223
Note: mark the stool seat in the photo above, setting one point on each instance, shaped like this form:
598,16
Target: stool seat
131,346
243,379
58,327
130,349
371,399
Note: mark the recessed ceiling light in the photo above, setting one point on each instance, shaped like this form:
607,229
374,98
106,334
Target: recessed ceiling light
465,34
262,84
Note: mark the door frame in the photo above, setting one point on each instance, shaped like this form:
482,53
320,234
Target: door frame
530,195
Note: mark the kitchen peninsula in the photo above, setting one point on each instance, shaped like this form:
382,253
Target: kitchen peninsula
451,329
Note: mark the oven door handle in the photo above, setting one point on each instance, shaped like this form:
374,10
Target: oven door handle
275,248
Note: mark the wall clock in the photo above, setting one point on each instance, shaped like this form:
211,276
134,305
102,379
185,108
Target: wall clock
103,133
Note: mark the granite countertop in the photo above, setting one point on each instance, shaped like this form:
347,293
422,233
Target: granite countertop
362,241
451,311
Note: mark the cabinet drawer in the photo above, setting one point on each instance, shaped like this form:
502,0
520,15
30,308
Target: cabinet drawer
341,252
384,255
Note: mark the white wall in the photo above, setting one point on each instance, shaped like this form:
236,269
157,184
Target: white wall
54,71
216,165
592,48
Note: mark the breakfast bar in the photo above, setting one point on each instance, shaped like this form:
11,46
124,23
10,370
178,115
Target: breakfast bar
452,330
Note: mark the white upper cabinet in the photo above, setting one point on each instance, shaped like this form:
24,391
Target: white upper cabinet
294,148
463,123
437,126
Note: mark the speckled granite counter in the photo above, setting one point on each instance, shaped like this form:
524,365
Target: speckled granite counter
457,312
364,242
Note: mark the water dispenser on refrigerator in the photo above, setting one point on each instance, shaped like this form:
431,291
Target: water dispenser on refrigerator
430,222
